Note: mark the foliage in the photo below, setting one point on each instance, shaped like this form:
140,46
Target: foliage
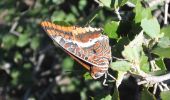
32,68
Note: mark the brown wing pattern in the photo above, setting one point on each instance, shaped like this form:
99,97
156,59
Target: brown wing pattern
87,44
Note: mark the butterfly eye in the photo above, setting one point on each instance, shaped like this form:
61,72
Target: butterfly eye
86,58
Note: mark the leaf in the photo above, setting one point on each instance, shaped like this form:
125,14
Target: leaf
111,28
146,95
166,31
87,76
165,95
8,41
162,52
108,97
160,64
67,64
18,57
15,77
144,65
119,79
82,4
35,43
106,3
141,13
151,27
57,2
115,95
23,40
121,66
133,50
122,2
58,16
164,42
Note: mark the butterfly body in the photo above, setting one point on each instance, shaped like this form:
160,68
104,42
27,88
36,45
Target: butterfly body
84,44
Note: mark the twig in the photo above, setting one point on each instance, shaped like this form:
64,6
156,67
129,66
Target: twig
13,27
120,59
118,14
40,60
155,79
166,12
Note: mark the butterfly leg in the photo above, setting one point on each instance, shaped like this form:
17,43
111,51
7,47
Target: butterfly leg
110,75
105,78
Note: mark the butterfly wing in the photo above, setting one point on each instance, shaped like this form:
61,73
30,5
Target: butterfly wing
87,44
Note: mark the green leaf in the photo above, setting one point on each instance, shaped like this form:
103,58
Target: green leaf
133,50
121,66
82,4
115,95
122,2
8,41
23,40
141,13
58,16
144,65
151,27
111,28
35,43
106,3
15,76
57,2
131,54
67,64
164,42
165,95
162,52
166,31
160,64
146,95
18,57
62,23
87,76
108,97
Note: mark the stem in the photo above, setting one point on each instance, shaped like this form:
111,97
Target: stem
155,79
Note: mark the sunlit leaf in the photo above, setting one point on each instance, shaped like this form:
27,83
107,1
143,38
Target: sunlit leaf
166,31
151,27
111,28
106,3
121,66
141,13
162,52
164,42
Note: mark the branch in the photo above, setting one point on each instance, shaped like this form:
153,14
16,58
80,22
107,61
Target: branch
166,12
155,79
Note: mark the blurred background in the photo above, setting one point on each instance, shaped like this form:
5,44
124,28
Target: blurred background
32,68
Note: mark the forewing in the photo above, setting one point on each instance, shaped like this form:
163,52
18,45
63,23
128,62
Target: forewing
87,44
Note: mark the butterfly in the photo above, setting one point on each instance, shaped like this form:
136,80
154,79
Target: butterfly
86,45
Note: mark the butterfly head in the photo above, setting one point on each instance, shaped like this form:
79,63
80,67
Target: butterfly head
97,72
